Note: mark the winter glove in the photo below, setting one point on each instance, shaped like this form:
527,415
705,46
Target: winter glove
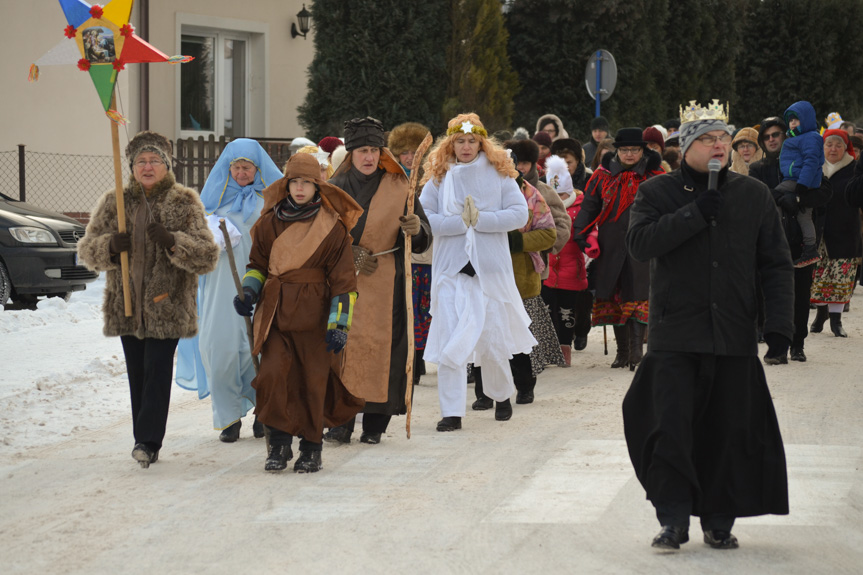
244,305
160,235
709,202
410,224
582,243
363,261
336,340
470,214
788,203
120,242
592,250
777,345
800,189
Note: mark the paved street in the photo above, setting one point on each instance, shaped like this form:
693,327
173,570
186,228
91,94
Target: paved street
550,491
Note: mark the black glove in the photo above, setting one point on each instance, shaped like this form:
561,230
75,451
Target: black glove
582,243
160,235
244,305
788,203
336,340
120,242
777,344
709,202
800,189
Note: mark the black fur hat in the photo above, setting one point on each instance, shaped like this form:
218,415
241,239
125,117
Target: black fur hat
525,150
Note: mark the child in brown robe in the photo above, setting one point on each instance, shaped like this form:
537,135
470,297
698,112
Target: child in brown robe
301,276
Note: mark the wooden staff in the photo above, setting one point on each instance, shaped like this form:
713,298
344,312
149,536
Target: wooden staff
121,211
605,339
409,298
239,286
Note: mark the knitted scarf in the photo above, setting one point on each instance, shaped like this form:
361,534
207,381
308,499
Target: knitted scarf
288,211
540,219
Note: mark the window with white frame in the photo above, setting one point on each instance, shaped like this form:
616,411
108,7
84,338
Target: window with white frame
215,85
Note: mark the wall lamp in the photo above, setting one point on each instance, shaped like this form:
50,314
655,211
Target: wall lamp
303,17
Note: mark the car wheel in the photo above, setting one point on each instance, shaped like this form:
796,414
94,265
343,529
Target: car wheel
5,285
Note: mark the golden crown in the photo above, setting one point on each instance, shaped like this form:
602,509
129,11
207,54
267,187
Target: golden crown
714,111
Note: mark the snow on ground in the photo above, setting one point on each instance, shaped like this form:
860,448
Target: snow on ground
57,370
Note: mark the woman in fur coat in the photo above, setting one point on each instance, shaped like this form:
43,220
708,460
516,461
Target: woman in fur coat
169,245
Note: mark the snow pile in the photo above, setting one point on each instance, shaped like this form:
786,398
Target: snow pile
58,374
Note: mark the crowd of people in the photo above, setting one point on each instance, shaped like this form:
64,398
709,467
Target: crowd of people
696,238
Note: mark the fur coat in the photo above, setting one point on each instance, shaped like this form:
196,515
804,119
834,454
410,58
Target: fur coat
170,277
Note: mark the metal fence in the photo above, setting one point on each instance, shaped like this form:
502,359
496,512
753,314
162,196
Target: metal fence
72,183
65,183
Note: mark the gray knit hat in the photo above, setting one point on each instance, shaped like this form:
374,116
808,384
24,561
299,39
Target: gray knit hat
689,131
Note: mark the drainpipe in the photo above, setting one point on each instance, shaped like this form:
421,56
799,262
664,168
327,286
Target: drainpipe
143,30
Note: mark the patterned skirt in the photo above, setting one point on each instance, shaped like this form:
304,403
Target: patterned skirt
616,312
422,302
547,350
833,279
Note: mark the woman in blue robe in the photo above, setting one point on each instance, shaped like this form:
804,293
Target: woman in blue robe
218,361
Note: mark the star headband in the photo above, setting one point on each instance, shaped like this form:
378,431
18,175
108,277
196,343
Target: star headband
467,128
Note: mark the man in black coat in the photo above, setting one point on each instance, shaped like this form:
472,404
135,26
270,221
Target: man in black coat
698,418
770,138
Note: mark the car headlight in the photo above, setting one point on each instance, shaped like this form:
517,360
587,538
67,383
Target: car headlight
32,235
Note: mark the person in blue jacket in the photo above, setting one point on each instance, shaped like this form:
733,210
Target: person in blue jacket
800,161
218,361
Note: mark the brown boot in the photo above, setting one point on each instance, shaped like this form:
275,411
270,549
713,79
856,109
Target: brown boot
621,337
636,343
567,356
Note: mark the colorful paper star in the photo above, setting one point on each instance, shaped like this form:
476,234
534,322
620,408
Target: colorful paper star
100,41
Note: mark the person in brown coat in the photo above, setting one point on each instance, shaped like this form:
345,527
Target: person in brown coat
169,246
301,276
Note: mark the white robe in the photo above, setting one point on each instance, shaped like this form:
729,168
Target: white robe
478,319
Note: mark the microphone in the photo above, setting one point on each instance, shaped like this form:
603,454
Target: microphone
713,166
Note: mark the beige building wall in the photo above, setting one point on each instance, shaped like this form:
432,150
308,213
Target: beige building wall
61,112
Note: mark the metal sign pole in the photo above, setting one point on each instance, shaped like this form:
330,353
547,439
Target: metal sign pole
598,80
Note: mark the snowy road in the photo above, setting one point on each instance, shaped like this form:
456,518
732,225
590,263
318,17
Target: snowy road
550,491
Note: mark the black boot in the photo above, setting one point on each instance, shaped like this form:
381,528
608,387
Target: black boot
503,410
145,455
309,461
338,434
231,433
450,423
720,539
836,325
277,459
821,315
621,337
671,537
636,343
258,428
421,363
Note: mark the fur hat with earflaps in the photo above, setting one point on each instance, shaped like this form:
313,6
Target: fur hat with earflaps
406,137
525,150
149,142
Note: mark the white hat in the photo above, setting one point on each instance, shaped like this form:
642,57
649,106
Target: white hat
557,175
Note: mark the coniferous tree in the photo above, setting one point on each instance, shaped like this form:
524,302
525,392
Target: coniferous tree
481,78
383,59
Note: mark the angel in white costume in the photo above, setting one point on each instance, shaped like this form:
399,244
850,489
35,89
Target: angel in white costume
472,201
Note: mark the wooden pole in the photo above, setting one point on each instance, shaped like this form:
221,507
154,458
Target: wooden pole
239,286
121,211
409,299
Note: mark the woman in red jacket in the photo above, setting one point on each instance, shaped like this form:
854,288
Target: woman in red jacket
565,290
